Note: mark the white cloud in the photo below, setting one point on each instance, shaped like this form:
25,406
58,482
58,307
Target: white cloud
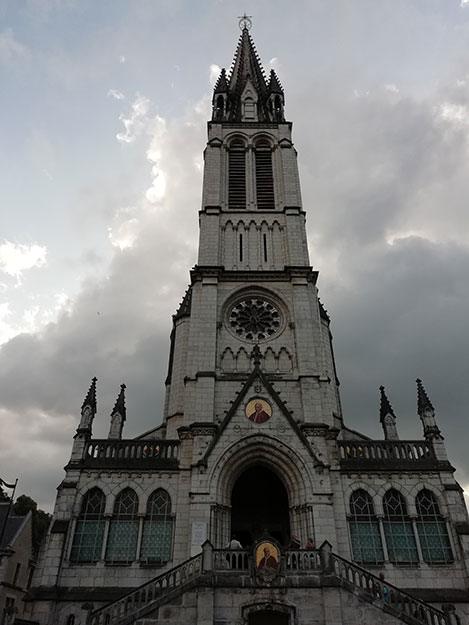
456,113
158,186
391,87
214,73
116,94
136,122
464,3
15,258
11,48
125,234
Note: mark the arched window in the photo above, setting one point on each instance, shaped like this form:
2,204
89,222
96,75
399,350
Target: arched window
70,620
237,175
264,176
89,529
364,529
431,526
398,530
157,528
123,528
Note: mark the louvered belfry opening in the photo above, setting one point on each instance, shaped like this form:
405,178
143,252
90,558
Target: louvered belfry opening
264,177
237,175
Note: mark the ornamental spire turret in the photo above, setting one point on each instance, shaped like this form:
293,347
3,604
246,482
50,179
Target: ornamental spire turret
426,413
118,415
246,95
88,409
387,417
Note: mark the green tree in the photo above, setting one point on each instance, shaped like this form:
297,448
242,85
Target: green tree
41,519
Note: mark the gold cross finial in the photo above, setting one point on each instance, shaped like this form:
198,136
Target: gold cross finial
245,21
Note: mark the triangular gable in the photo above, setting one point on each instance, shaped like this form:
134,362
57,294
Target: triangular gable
255,375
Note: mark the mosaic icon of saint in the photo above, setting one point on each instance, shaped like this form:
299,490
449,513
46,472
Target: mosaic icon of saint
258,411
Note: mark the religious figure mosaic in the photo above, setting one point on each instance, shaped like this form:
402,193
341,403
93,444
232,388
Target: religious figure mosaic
267,558
258,410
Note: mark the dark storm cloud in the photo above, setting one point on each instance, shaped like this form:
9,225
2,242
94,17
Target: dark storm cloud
385,187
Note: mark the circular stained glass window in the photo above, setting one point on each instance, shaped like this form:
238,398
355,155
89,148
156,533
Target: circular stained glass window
254,319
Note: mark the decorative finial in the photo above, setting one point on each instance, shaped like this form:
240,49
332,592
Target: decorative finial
90,399
387,417
119,406
423,401
245,22
426,412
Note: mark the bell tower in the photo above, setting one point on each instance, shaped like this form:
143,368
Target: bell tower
253,284
253,502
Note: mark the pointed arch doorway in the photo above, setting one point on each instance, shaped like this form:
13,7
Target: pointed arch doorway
259,503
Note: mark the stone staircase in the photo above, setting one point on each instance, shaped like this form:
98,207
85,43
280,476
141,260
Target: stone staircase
214,567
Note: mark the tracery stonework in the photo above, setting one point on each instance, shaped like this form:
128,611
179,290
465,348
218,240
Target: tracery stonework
254,319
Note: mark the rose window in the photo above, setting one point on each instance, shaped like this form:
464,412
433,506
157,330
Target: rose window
254,319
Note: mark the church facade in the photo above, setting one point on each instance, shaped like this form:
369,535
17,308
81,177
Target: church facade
253,503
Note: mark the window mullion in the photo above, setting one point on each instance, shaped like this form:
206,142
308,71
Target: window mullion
107,523
417,538
139,536
383,537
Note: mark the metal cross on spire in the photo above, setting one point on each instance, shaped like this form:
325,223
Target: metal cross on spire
245,21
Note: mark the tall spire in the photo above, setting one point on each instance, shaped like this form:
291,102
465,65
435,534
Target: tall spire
426,413
88,409
246,95
118,415
387,417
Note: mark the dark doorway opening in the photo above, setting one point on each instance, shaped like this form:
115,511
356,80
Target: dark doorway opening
259,503
268,618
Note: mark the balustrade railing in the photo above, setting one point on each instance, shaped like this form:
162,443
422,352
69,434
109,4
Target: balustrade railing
231,559
396,600
128,607
99,451
386,451
303,560
322,561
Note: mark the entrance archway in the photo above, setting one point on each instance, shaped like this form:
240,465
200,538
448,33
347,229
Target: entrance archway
268,618
259,503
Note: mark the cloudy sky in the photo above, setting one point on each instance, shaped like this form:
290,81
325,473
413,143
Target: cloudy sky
104,108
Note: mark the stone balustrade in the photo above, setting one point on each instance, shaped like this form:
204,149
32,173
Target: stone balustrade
320,564
127,608
396,601
376,454
102,453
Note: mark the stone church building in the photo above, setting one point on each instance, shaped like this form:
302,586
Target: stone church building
253,503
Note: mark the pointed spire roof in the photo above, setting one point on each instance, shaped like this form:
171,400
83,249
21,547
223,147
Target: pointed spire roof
90,399
221,85
274,83
246,70
423,401
119,406
246,64
385,407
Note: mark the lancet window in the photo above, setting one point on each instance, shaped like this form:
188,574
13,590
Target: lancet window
89,529
123,528
237,175
364,529
264,176
432,531
157,528
398,529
